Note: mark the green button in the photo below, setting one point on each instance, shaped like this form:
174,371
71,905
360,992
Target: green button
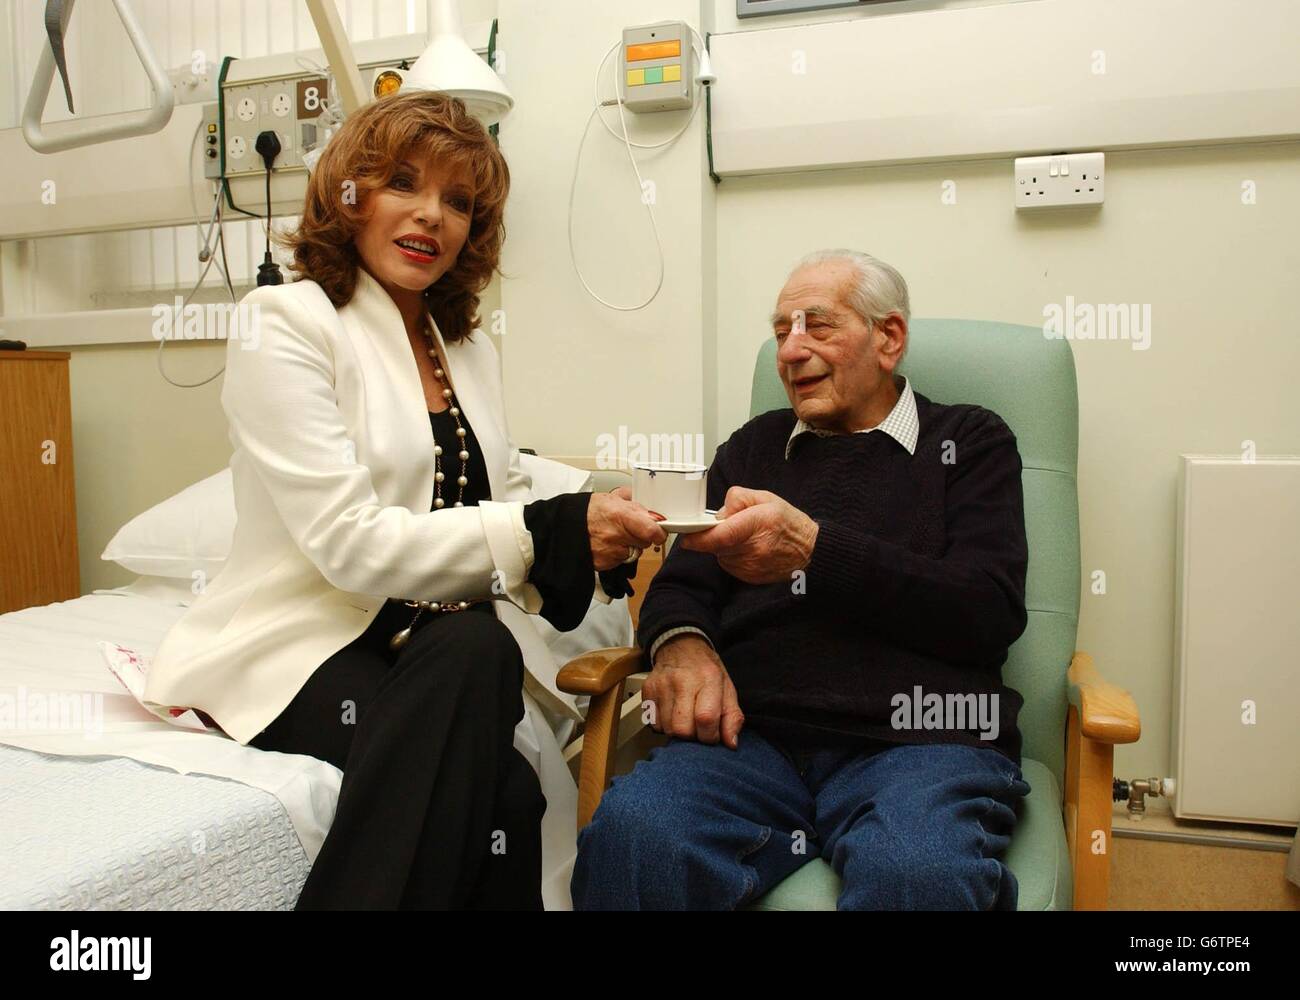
654,74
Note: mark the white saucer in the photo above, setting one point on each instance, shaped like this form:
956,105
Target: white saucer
690,525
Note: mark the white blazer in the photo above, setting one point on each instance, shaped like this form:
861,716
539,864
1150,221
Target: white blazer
333,477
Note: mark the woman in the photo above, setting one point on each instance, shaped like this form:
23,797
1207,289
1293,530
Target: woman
372,612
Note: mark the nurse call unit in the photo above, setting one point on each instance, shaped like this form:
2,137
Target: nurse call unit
657,67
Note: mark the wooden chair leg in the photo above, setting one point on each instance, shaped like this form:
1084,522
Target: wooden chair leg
599,744
1089,771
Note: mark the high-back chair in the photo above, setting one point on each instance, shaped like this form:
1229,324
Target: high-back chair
1072,718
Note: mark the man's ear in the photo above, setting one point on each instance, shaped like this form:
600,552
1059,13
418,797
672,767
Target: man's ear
893,341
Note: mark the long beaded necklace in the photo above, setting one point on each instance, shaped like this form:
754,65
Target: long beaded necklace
462,480
399,639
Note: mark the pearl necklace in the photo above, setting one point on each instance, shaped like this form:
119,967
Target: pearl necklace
462,480
399,639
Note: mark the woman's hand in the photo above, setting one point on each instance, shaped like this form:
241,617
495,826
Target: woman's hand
617,524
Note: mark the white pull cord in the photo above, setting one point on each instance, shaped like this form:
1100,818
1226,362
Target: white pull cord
626,139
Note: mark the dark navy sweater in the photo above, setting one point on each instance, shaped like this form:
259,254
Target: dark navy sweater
917,581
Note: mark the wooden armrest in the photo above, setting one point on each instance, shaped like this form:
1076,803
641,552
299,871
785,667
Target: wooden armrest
601,674
1107,713
600,670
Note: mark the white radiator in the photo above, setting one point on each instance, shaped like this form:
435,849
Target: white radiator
1236,718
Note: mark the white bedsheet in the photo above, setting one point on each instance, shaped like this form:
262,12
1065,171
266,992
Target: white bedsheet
51,652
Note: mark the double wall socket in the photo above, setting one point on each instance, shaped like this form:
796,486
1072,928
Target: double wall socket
1061,180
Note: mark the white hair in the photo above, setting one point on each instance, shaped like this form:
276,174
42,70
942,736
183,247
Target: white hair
880,290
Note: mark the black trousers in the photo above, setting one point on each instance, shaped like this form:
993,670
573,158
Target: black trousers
437,809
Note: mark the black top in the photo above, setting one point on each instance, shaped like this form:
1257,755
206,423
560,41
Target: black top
562,570
444,434
917,580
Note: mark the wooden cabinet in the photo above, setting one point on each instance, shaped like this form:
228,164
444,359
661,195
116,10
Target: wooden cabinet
38,512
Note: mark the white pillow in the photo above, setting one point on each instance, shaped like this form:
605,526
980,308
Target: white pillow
190,531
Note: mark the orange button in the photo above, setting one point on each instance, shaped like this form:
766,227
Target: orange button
654,50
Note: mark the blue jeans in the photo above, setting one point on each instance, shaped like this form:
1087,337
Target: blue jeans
701,827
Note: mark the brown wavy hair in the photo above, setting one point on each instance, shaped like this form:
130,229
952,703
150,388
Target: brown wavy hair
366,151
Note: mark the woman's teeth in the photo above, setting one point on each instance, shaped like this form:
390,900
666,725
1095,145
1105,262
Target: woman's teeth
421,248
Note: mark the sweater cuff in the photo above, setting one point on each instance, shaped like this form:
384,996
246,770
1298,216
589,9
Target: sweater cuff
673,633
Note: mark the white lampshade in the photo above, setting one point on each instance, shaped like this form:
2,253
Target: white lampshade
449,65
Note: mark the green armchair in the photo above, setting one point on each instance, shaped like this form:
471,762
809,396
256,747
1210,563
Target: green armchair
1071,719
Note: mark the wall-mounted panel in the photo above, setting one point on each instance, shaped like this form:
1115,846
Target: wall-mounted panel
1001,80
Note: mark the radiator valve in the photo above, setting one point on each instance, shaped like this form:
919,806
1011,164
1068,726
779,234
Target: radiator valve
1137,790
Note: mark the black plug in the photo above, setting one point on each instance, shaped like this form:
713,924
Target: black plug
268,146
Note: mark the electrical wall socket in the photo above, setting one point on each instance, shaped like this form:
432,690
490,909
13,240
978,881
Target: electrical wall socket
1061,180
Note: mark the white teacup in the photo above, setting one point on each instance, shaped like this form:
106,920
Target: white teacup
677,490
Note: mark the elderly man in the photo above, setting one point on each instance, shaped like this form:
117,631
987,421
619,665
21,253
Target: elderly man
851,614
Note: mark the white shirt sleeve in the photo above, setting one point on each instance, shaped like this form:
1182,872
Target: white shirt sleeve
671,633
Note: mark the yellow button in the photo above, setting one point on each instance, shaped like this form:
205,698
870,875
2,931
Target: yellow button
635,77
673,74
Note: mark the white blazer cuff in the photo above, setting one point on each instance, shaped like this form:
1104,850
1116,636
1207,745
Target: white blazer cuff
511,545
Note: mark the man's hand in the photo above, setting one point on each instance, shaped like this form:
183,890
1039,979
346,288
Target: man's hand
692,693
763,539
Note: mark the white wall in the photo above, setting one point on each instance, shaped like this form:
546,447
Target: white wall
1174,233
1219,275
574,368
